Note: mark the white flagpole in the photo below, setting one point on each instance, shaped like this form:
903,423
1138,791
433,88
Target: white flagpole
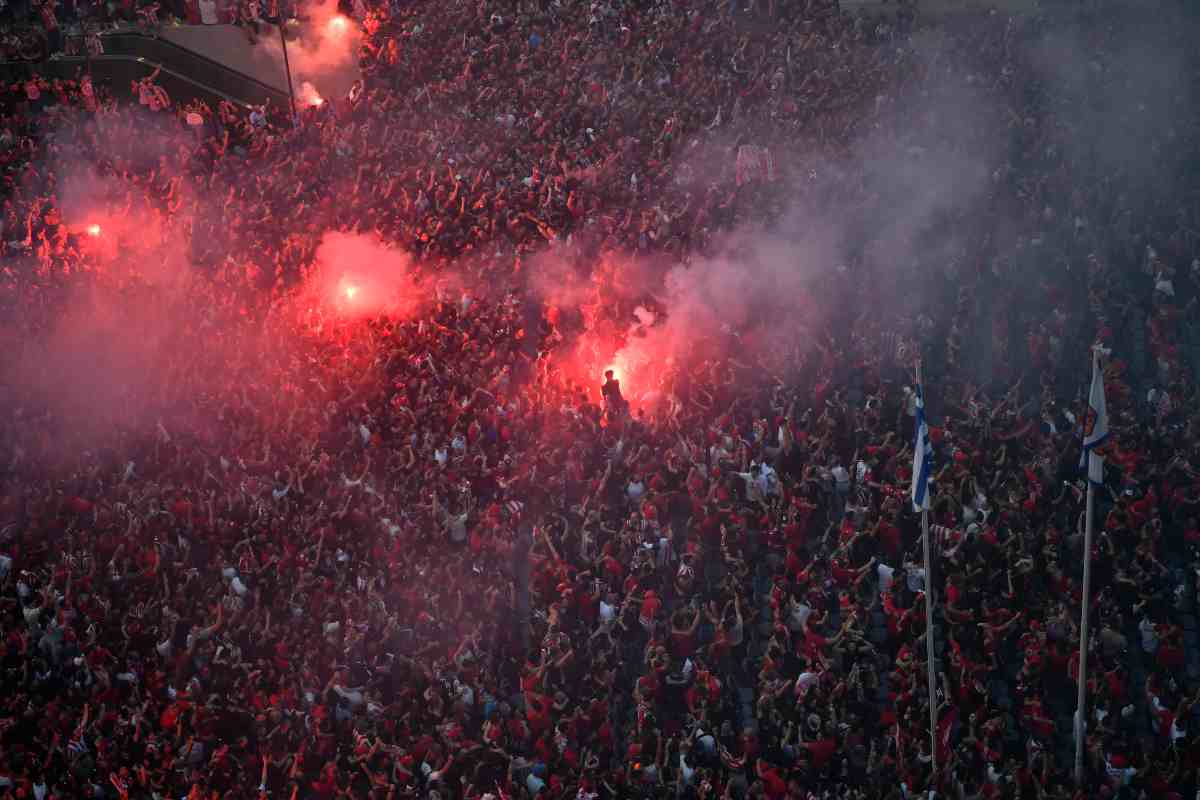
933,703
1081,699
1083,636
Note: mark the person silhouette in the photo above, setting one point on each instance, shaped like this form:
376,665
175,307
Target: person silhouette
611,391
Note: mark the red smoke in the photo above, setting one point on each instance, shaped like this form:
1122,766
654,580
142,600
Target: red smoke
324,55
358,276
647,321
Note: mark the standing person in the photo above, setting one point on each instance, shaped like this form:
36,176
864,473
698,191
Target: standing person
614,401
149,18
207,10
248,18
50,21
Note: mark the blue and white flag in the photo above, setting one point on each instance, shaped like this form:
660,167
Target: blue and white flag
922,458
1095,426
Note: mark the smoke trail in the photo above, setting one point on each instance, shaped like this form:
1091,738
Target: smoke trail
325,55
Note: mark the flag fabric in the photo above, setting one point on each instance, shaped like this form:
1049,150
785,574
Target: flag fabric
768,165
1095,426
944,727
922,458
755,163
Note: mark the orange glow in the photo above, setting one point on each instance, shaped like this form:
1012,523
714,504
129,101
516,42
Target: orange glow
337,25
309,96
351,291
93,230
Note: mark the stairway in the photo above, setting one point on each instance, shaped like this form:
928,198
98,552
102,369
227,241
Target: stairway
184,74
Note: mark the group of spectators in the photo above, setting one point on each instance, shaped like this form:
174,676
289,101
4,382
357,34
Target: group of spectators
406,557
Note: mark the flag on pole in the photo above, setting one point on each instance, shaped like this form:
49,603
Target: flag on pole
1095,425
922,457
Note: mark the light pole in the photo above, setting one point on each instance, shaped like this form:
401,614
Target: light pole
287,67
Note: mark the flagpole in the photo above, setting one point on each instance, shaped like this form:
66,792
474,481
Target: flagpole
933,704
1081,699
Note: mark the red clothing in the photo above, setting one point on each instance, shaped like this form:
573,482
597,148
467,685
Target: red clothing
774,786
650,606
821,752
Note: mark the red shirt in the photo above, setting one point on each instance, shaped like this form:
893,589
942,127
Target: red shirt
650,606
774,786
889,538
821,752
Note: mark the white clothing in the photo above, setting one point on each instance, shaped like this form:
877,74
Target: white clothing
353,697
799,616
805,682
685,772
886,576
842,478
916,580
457,526
1149,636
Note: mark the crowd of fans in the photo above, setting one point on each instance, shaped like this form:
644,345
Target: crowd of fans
406,558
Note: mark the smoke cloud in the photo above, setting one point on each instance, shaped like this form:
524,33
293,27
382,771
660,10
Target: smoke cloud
358,276
922,161
325,55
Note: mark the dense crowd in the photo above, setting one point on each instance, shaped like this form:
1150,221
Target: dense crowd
416,556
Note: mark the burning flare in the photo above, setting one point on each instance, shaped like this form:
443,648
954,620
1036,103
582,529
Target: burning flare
93,230
309,96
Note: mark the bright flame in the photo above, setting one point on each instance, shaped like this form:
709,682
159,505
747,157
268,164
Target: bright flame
93,230
337,25
309,96
351,291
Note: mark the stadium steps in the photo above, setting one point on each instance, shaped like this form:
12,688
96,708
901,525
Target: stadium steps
221,78
184,74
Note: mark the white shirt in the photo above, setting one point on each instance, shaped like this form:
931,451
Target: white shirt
1149,636
805,682
842,477
458,527
767,480
351,696
886,574
799,616
208,12
916,580
685,772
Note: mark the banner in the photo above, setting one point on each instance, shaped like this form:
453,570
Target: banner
755,163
